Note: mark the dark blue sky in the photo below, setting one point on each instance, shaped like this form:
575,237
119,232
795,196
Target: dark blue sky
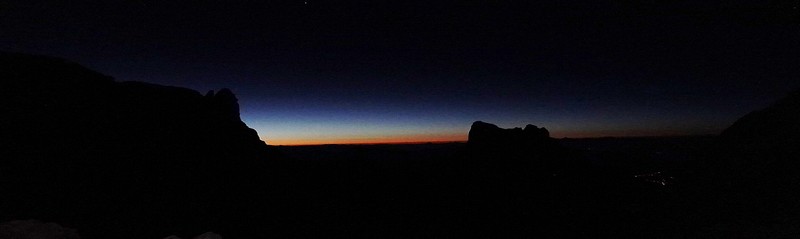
370,71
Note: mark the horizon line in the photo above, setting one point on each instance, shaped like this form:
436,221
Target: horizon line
378,143
465,141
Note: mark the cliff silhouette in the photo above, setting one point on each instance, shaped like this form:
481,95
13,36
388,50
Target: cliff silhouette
747,182
762,145
486,135
773,132
79,147
530,148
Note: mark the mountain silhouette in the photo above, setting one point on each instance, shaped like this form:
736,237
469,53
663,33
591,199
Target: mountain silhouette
748,182
82,148
483,134
770,132
516,148
764,144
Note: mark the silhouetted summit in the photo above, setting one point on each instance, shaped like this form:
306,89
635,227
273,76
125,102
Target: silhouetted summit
224,104
483,134
763,146
76,142
775,129
486,133
68,110
530,148
751,177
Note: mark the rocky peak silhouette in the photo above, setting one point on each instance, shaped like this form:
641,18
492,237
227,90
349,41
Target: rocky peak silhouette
753,168
774,130
102,148
224,103
483,134
761,146
520,149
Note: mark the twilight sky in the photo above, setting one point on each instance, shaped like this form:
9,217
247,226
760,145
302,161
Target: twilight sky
320,71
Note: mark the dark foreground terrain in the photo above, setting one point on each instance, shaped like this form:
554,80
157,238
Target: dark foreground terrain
450,190
134,160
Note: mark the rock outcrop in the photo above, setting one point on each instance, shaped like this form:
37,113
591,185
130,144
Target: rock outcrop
770,132
763,147
80,148
529,148
754,171
483,134
32,229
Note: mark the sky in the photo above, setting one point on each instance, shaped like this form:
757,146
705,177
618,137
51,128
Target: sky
327,72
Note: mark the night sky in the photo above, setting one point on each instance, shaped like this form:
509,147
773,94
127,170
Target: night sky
320,71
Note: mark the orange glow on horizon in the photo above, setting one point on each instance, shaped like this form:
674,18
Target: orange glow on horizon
452,138
402,139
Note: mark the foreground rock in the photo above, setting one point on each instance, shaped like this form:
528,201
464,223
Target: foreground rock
771,132
109,157
32,229
762,147
748,184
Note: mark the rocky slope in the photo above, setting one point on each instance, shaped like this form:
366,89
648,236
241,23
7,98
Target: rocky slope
108,157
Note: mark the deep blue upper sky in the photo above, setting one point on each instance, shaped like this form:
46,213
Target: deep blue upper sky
368,71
